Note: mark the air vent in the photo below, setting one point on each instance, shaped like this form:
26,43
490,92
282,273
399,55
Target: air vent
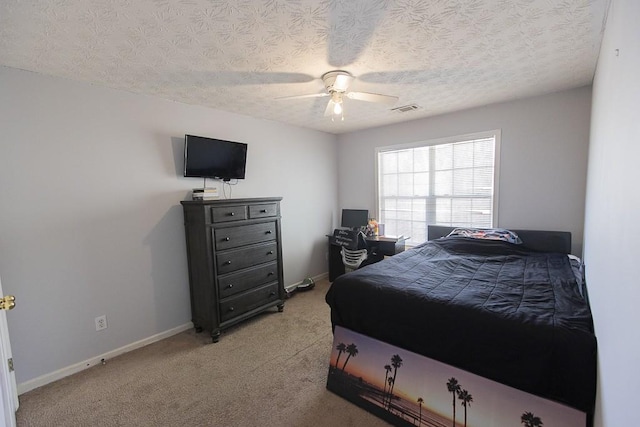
406,108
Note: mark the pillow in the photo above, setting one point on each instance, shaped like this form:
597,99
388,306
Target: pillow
487,233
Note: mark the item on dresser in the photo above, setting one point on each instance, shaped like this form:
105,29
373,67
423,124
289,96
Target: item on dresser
234,252
204,193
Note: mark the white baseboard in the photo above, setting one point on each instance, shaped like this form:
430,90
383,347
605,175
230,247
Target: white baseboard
315,279
81,366
69,370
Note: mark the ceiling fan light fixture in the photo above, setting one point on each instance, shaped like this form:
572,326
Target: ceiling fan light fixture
336,99
336,84
337,108
337,112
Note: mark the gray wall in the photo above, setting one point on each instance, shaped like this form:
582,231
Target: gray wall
543,162
612,211
90,215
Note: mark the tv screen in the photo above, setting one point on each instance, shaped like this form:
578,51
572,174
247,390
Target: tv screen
214,158
354,218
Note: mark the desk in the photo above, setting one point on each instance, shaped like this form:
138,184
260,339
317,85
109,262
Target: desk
378,247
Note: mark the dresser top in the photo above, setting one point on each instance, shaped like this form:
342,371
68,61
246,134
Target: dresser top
231,201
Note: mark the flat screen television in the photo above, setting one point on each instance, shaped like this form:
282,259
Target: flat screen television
354,218
214,158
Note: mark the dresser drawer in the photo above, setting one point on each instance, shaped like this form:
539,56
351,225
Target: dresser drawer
234,260
232,237
228,213
234,283
262,211
237,305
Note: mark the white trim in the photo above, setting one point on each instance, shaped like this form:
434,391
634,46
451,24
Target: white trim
495,133
73,369
9,402
439,141
496,177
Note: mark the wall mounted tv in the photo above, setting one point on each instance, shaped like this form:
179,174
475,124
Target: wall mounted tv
214,158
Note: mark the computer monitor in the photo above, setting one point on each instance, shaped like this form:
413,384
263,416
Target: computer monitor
354,218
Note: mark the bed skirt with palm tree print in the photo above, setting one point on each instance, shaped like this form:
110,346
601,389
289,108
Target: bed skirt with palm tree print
405,388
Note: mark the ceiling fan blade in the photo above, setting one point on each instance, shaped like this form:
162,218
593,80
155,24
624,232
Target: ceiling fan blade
361,17
310,95
342,82
329,110
373,97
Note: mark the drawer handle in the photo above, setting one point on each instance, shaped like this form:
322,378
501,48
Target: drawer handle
270,253
231,309
270,273
230,285
227,263
232,213
268,231
226,239
263,211
272,293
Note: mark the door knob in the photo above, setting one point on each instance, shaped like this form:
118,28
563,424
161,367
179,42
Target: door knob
8,302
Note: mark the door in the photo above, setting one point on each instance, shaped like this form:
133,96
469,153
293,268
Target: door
8,389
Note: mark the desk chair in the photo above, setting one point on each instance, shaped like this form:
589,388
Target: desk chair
352,258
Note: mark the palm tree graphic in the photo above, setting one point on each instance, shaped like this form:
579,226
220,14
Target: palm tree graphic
352,350
453,387
396,362
530,420
388,397
420,402
387,369
466,400
341,348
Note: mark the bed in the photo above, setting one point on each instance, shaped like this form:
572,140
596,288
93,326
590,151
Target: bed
517,314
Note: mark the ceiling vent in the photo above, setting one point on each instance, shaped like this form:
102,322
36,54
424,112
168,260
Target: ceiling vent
406,108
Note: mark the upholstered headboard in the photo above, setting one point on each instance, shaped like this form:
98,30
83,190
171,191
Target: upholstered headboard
538,240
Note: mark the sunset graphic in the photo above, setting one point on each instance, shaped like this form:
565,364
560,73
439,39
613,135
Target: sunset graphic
405,388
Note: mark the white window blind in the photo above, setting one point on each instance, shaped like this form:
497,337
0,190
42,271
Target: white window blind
447,182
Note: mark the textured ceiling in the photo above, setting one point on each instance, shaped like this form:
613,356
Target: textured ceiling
240,55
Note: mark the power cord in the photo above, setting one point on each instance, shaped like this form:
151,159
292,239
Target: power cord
229,184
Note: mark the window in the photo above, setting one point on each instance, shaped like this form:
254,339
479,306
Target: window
451,181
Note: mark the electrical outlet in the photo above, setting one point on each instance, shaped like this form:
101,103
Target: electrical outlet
101,322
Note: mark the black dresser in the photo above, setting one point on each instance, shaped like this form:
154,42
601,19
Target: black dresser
234,250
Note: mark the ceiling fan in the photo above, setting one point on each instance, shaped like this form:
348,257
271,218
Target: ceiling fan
337,84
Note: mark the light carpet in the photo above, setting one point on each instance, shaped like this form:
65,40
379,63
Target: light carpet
268,371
